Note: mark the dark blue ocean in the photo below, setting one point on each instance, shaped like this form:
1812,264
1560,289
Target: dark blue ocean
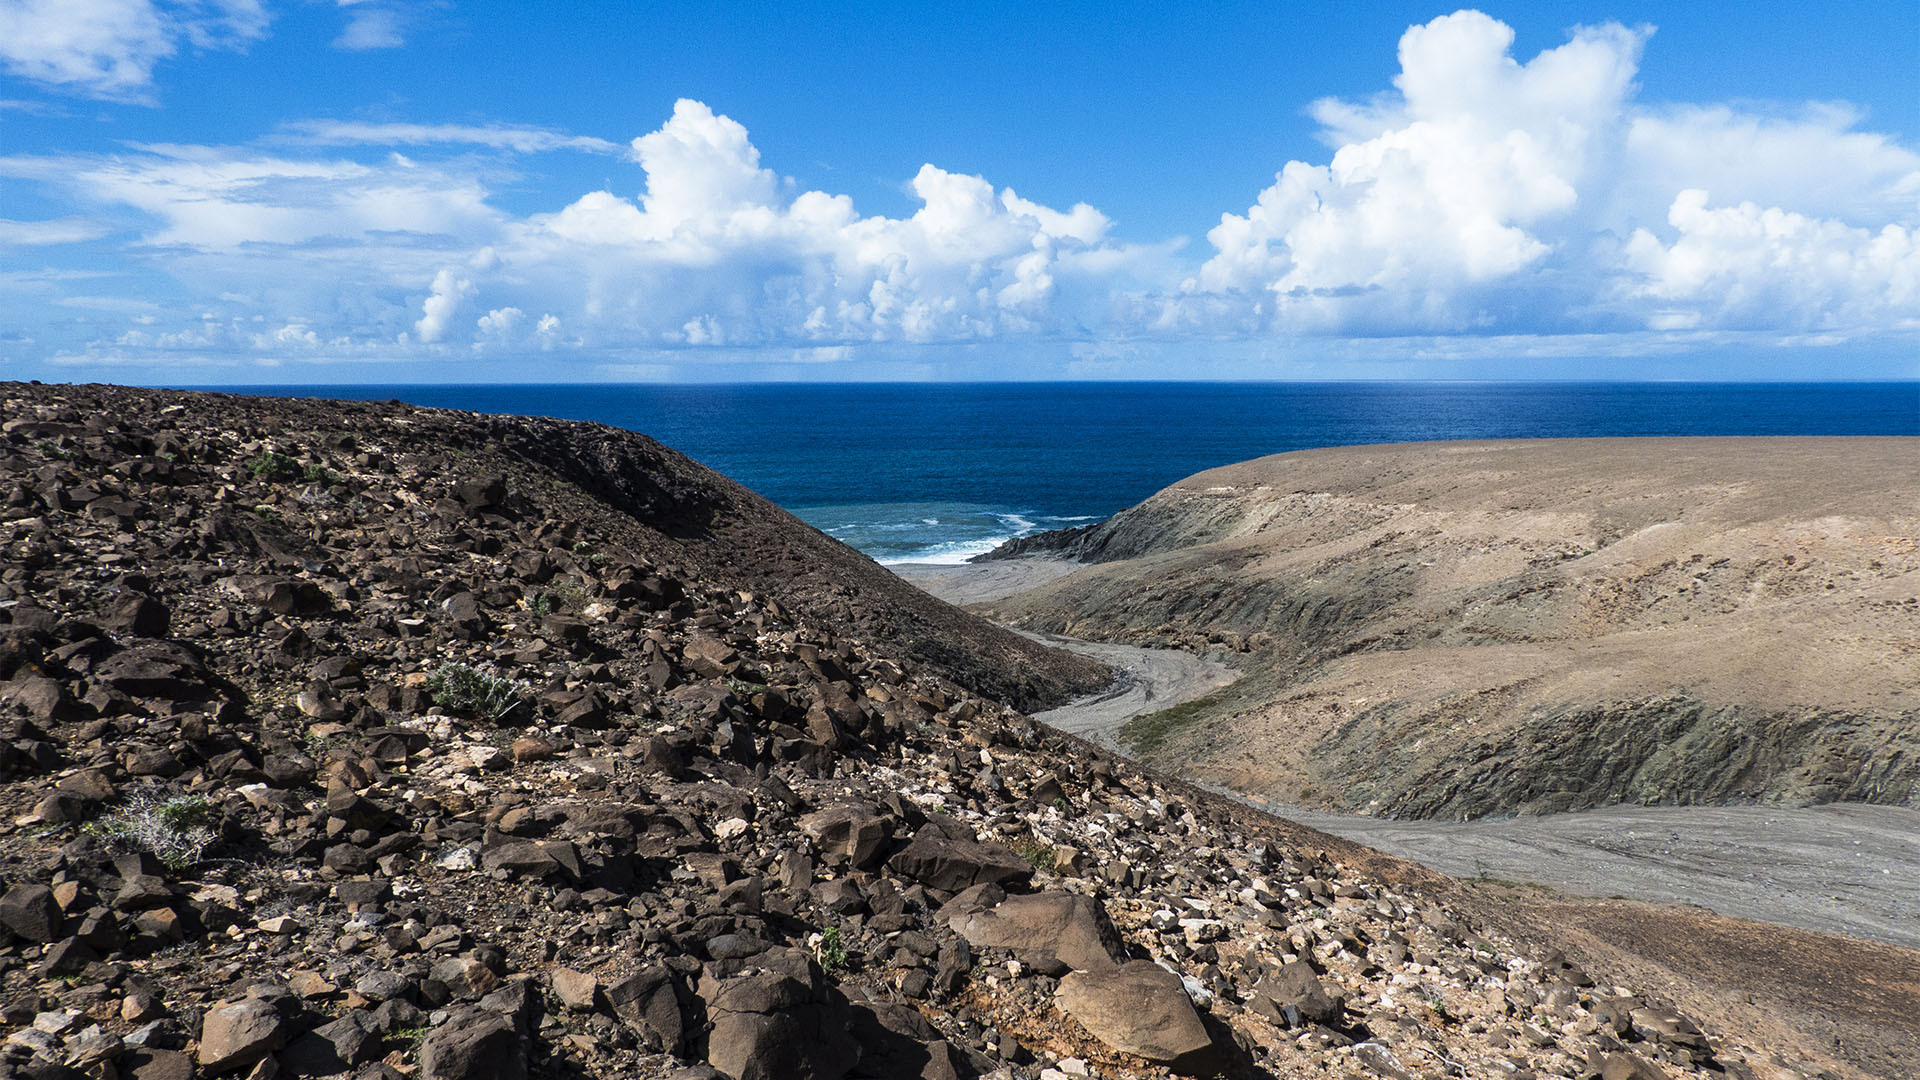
939,472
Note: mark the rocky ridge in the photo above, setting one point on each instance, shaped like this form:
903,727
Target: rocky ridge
371,741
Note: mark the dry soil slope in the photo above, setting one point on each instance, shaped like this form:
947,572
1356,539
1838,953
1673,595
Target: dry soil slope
1468,628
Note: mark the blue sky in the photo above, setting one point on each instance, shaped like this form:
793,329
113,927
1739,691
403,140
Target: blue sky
241,191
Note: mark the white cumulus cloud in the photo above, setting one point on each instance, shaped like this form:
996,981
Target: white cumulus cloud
448,294
1483,201
108,48
711,252
1749,266
1488,194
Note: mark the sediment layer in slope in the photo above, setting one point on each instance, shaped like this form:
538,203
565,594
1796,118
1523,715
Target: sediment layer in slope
1462,629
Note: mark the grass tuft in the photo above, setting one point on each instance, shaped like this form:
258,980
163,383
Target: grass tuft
175,829
465,689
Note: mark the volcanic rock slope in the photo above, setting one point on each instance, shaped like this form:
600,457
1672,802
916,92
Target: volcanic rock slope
364,740
1462,629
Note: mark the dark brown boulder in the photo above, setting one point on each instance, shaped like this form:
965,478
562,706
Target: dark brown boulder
1054,932
474,1044
849,834
951,863
651,1002
41,698
141,616
149,1063
156,670
29,911
235,1035
1294,996
897,1043
483,493
781,1020
1142,1009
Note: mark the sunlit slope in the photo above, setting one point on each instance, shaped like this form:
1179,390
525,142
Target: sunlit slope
1450,629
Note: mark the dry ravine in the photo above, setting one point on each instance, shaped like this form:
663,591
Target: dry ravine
373,741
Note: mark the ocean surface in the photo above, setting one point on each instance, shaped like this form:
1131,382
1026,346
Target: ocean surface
940,472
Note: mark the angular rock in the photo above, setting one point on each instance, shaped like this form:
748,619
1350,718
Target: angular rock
483,493
30,911
156,670
576,990
1293,996
149,1063
850,834
141,616
782,1021
333,1047
529,858
951,863
235,1035
1054,932
897,1043
1669,1027
1624,1065
42,698
474,1044
1141,1008
649,1002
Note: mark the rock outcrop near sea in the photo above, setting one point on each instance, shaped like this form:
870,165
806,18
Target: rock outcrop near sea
1479,628
369,741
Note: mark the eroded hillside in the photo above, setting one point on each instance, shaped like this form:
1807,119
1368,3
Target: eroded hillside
1461,629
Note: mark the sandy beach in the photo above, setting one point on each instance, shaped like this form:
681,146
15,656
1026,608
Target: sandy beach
984,582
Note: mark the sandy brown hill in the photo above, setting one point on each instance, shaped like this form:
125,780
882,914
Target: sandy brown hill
1483,627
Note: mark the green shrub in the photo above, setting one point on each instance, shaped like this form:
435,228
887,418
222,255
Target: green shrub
273,467
560,596
1038,853
832,951
469,690
175,829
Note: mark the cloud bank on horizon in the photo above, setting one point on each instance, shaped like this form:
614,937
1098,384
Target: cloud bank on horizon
1481,197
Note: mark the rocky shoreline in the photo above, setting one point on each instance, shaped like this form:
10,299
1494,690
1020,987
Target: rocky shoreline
372,741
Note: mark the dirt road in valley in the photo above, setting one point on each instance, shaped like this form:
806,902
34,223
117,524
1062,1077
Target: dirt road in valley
1846,869
1149,680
